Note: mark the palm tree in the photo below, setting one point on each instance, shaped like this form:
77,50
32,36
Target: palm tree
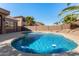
72,9
70,18
56,23
40,23
68,4
30,21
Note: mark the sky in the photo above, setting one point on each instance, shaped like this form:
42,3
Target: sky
46,13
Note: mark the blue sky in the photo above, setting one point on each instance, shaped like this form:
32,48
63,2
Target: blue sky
43,12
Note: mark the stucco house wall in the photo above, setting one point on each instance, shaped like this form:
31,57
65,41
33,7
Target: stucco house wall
8,23
3,14
21,22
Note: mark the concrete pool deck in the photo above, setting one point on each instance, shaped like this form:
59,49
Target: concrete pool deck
7,50
5,43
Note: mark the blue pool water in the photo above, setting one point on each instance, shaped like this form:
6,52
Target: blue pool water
43,43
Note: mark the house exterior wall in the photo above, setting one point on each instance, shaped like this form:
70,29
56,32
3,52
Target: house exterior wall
20,23
3,22
10,25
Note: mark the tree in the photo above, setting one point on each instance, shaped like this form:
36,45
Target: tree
72,9
30,21
40,23
72,16
56,23
69,19
68,4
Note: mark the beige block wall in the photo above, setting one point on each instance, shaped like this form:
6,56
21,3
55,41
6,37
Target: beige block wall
49,28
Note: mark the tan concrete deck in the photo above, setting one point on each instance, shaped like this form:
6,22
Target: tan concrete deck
7,50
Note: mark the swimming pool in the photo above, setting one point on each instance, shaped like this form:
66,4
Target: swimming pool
43,43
